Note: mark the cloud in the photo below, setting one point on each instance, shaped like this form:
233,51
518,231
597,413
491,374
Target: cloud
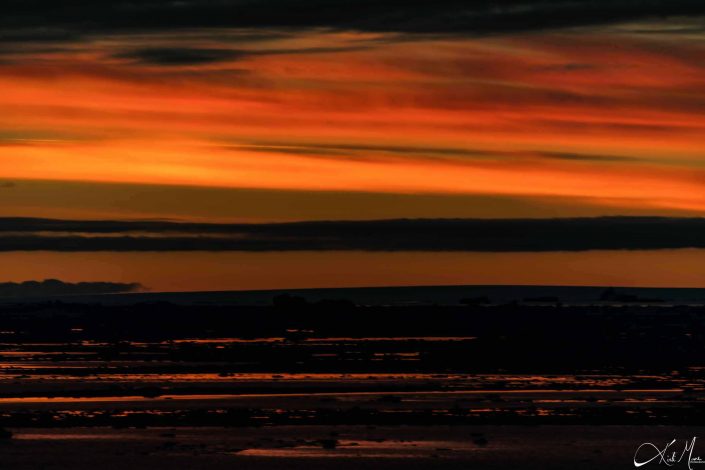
586,157
405,110
490,235
364,152
52,287
54,19
178,56
169,56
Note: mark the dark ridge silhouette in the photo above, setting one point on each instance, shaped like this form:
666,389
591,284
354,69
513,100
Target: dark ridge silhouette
52,287
567,234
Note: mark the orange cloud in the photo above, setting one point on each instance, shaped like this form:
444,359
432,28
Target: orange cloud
508,101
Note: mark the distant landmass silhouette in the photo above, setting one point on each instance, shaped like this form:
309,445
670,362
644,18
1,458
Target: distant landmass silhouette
54,287
126,294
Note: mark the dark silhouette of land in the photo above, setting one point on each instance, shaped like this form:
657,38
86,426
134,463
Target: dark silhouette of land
54,287
346,375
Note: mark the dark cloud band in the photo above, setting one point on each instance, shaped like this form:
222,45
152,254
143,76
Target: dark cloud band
57,20
193,56
490,235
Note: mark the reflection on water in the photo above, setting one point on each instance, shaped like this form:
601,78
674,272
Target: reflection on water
342,396
364,449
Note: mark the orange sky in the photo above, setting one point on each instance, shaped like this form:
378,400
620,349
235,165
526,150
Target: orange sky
606,118
194,271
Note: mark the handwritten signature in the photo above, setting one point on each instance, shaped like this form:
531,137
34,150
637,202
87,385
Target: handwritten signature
670,455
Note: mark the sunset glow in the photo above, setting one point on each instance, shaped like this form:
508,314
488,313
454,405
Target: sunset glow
586,114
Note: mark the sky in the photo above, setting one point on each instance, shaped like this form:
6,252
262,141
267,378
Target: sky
211,110
254,111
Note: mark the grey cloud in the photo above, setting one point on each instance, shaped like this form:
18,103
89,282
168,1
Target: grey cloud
491,235
361,150
60,18
178,56
171,56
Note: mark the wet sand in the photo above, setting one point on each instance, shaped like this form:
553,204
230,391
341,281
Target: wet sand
498,387
341,447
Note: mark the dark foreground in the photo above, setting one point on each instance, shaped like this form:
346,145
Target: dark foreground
310,447
331,384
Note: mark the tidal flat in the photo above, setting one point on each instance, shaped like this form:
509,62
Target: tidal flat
317,384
